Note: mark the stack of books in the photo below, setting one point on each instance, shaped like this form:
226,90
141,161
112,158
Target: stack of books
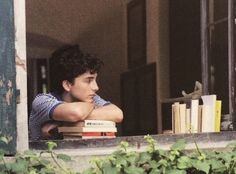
193,117
89,129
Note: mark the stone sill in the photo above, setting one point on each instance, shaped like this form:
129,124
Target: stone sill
94,147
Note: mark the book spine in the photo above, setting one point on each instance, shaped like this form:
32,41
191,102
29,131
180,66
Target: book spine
99,123
218,115
89,134
97,137
194,116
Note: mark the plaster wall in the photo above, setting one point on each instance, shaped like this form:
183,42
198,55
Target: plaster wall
21,74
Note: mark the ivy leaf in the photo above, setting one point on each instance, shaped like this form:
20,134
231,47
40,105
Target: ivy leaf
217,166
179,145
132,158
227,157
107,168
44,162
4,139
202,166
133,169
2,167
121,161
172,157
144,157
176,171
88,171
51,145
155,171
19,166
153,164
184,162
47,170
32,172
64,157
163,162
2,152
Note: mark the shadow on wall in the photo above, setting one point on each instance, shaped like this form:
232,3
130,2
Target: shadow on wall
42,41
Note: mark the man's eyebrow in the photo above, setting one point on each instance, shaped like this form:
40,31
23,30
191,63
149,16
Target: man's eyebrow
91,77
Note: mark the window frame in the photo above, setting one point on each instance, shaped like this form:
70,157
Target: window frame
20,46
205,54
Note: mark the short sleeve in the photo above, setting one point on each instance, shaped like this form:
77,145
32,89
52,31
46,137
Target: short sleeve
100,102
42,109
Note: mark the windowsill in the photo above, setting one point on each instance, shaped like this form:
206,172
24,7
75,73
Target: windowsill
106,146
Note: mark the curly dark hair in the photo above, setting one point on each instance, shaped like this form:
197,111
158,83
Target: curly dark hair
69,62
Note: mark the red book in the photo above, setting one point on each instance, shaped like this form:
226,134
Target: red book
89,134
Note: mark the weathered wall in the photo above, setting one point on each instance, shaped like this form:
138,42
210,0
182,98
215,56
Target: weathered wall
21,74
7,75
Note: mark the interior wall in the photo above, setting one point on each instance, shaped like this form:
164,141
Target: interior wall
158,48
98,26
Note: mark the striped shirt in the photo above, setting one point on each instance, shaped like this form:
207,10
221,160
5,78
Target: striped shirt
42,110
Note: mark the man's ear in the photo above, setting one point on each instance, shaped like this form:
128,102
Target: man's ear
66,85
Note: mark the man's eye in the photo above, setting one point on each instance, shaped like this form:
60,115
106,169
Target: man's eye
89,80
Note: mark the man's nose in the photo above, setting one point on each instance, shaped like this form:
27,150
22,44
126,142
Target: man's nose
95,86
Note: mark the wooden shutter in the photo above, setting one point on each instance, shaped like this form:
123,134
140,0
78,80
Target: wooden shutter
7,74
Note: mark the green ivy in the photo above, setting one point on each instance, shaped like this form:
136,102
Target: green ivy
126,161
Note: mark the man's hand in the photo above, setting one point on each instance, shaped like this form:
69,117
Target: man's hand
48,129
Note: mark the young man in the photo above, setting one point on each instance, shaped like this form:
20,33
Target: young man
73,97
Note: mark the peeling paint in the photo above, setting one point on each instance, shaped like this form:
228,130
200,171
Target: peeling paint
8,74
9,93
6,89
20,62
1,83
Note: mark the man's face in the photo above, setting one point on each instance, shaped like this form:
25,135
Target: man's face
84,87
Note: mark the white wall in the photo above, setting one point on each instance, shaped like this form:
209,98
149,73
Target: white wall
21,75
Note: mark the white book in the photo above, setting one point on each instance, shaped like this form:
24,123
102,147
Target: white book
176,118
199,119
182,114
98,123
188,121
206,119
210,101
91,123
194,116
172,118
87,129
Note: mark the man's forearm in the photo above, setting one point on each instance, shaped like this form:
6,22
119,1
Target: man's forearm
73,112
109,112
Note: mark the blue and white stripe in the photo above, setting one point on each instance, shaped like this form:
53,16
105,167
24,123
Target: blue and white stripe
42,109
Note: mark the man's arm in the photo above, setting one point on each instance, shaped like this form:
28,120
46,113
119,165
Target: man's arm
72,112
77,111
109,112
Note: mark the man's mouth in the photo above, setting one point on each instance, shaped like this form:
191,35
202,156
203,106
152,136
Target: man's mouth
92,95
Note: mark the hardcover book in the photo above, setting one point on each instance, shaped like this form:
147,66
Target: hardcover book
87,129
92,123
